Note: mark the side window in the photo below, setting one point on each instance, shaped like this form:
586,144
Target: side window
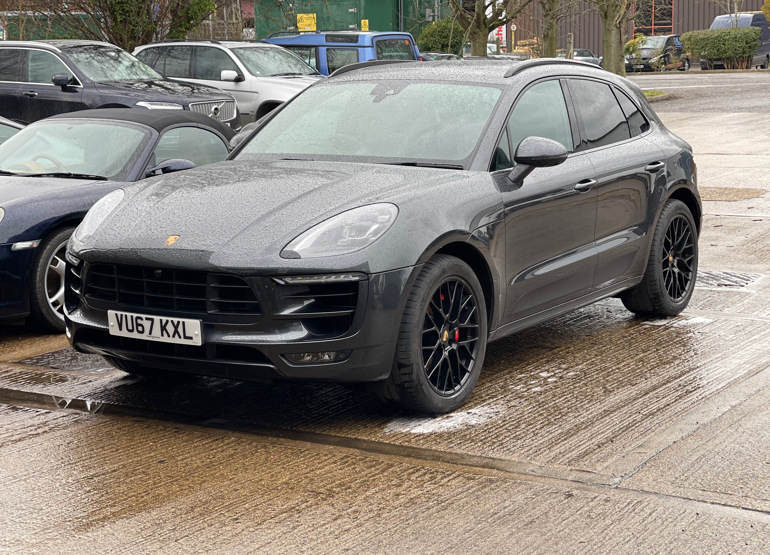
603,122
307,54
10,64
637,123
209,63
541,112
42,66
503,158
339,57
150,56
6,132
199,146
177,62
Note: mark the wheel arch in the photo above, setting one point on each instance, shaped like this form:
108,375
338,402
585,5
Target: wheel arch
478,264
687,196
266,107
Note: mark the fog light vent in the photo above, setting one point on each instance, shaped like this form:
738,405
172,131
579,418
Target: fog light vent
323,357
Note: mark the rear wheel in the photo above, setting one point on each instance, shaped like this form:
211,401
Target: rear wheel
766,63
441,341
46,297
669,279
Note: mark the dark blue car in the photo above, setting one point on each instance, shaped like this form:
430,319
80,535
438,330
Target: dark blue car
327,51
54,170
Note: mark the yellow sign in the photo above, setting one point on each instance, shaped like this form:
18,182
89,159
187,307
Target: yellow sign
306,22
364,24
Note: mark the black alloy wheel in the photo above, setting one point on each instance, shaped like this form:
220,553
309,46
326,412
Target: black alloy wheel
450,336
678,256
672,266
442,339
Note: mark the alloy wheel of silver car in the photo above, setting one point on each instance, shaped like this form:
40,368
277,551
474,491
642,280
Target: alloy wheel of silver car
47,293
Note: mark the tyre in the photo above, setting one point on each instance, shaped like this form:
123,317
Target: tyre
46,297
685,65
766,63
441,341
672,266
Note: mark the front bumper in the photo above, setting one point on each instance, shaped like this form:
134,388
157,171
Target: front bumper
15,266
256,350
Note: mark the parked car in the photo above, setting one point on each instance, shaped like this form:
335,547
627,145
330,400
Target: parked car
327,51
581,55
659,53
761,57
259,76
42,78
388,222
51,173
8,129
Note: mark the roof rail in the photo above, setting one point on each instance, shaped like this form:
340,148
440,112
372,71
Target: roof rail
184,40
370,63
526,64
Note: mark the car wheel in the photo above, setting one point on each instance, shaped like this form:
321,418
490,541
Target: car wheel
669,279
46,297
766,63
441,341
685,65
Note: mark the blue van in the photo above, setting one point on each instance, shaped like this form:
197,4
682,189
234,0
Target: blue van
746,19
328,51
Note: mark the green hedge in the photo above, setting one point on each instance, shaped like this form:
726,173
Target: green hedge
735,46
446,35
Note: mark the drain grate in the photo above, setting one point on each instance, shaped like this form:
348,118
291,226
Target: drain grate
68,359
724,280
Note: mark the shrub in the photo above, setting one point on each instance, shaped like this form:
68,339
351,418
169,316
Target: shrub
445,35
734,46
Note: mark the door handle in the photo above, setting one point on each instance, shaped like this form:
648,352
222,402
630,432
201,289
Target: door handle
585,185
30,94
654,167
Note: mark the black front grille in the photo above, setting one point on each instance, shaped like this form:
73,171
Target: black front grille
324,309
181,291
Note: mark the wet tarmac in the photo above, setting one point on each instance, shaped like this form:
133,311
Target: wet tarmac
594,433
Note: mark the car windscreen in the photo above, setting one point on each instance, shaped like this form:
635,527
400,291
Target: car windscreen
380,121
103,63
653,42
100,148
264,62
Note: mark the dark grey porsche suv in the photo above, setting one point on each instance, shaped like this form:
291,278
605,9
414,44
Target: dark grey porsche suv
386,224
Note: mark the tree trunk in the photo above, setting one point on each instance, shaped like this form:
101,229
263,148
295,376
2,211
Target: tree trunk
550,16
619,43
478,36
608,43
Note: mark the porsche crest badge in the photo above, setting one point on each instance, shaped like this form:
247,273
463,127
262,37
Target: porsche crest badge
171,240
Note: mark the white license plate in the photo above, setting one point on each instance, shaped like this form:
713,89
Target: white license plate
155,328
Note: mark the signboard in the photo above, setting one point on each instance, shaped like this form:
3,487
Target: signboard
306,22
364,24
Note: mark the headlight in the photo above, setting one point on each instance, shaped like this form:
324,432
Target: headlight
160,105
344,233
2,213
96,215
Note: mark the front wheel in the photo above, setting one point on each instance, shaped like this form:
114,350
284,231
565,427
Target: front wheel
46,297
441,341
672,266
685,65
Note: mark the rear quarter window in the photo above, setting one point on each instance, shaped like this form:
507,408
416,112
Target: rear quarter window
602,120
394,49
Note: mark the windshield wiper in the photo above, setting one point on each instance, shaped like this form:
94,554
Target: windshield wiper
427,165
66,175
287,74
6,172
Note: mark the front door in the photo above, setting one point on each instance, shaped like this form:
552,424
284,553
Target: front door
550,218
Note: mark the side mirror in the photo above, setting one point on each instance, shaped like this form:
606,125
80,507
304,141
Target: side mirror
536,152
231,75
60,80
170,166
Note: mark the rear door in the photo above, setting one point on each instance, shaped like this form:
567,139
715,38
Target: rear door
11,81
614,135
38,97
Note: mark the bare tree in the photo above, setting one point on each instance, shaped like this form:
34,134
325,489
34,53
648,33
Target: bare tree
615,15
480,17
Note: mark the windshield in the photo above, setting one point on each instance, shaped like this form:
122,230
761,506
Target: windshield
106,63
107,149
272,61
654,42
390,121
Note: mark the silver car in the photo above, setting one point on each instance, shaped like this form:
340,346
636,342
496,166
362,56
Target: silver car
260,76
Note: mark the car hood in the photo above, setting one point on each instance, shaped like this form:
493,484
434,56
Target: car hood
34,204
165,90
240,214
